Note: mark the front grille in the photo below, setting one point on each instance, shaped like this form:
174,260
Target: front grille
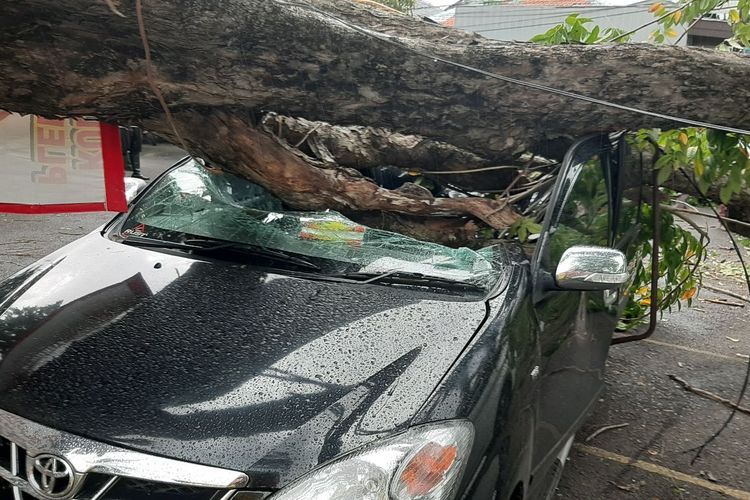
37,462
94,486
5,446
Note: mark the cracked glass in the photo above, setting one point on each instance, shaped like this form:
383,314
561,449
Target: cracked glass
194,200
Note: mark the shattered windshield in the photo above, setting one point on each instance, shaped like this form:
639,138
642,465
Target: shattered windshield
192,200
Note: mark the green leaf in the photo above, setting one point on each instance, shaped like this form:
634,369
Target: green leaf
593,36
725,194
664,173
522,233
534,228
700,169
703,185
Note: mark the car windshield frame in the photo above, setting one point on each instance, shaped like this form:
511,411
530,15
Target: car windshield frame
191,201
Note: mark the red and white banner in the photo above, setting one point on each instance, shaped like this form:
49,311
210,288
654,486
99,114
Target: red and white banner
54,166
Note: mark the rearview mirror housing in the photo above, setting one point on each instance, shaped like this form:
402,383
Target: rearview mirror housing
591,268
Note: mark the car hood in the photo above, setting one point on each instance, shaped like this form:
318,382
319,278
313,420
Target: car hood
218,363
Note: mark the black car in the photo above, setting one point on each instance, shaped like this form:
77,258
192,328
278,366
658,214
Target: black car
211,344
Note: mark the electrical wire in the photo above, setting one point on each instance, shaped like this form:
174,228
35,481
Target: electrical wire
499,25
543,13
508,27
515,81
559,16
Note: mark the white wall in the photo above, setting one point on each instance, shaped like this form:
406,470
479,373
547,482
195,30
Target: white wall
520,23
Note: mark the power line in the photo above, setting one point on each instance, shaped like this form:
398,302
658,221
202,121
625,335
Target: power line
515,81
559,15
506,27
522,26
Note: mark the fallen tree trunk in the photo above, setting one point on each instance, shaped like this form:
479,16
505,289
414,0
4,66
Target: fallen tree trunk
222,65
73,57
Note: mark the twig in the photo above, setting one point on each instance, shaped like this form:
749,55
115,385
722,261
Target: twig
696,21
629,488
379,5
515,181
671,12
711,216
723,302
679,213
691,207
605,429
113,8
466,171
726,292
529,192
301,141
709,395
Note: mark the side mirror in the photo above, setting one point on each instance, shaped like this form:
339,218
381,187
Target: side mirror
591,268
133,186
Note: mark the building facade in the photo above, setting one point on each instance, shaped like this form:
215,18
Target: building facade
520,20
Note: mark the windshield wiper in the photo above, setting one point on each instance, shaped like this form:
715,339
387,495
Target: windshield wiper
406,278
210,245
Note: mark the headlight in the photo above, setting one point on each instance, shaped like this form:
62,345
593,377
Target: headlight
424,463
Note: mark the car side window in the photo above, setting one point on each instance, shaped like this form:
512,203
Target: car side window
632,167
584,216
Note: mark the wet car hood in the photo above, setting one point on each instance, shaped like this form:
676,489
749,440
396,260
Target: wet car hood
217,363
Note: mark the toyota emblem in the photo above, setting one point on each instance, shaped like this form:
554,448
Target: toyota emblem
51,476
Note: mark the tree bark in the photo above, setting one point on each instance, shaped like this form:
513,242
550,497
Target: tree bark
76,57
362,147
258,157
221,65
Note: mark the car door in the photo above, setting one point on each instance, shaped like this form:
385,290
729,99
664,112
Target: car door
575,326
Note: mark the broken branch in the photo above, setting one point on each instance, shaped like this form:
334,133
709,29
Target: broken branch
726,292
709,395
605,429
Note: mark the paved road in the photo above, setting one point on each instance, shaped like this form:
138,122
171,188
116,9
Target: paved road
699,345
645,460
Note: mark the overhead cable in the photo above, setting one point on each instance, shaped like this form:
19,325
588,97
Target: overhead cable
515,81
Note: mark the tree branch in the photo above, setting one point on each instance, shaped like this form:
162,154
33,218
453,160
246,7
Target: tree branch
263,159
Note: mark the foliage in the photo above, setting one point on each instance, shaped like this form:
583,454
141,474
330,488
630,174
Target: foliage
406,6
713,157
689,11
680,255
523,228
574,30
